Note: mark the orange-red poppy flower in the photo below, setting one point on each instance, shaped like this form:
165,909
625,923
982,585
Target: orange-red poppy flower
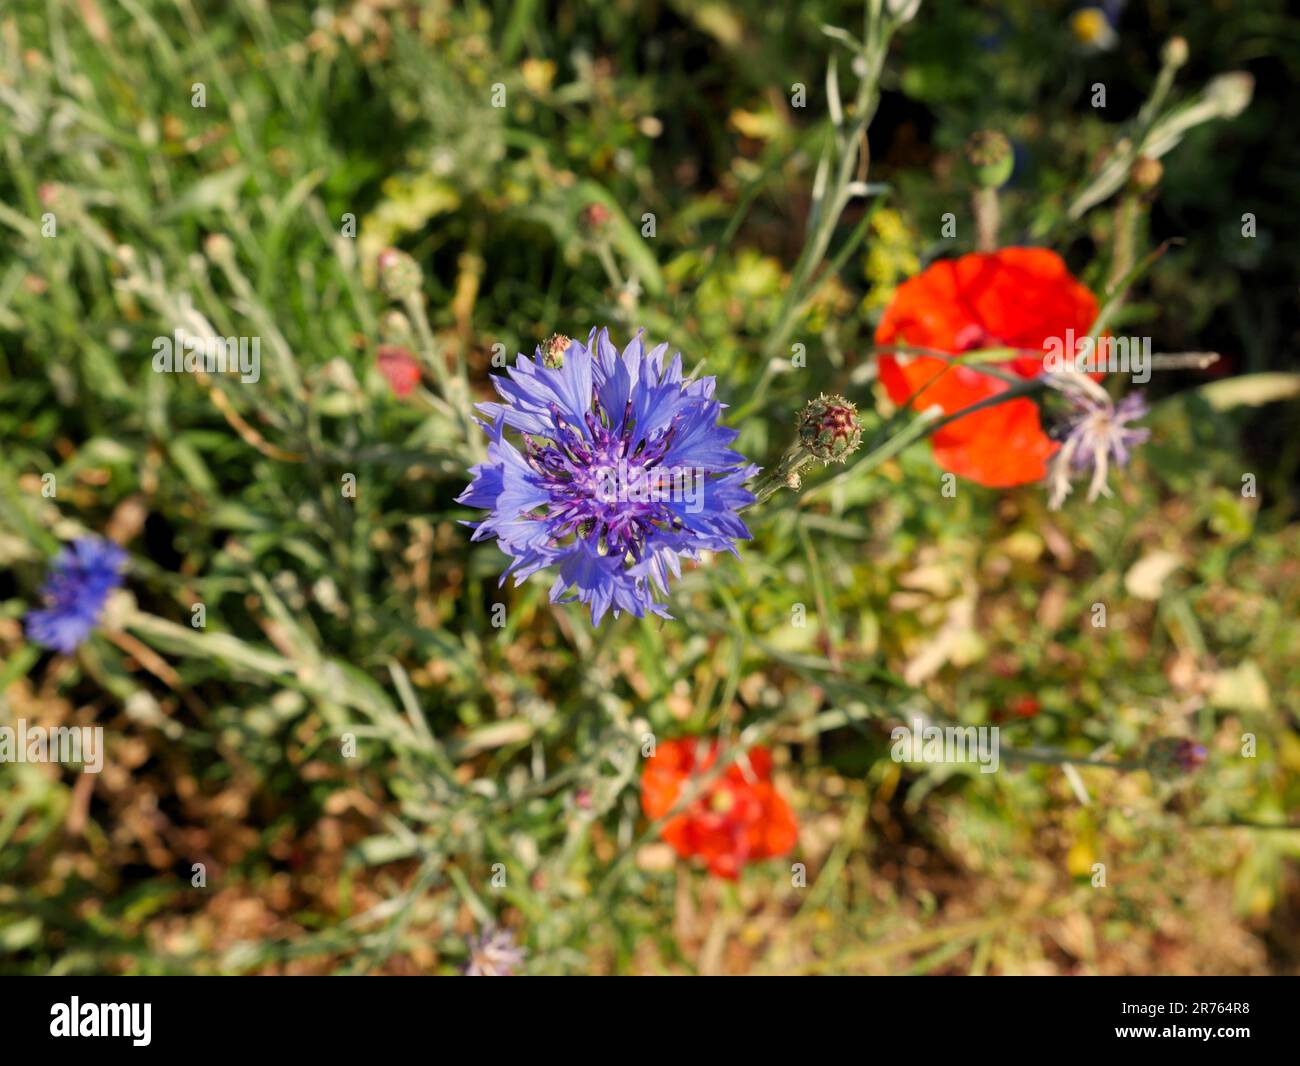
1014,298
399,367
738,818
1023,706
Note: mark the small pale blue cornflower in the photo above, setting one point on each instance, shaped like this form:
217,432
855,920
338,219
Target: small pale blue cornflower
494,953
624,471
79,582
1096,437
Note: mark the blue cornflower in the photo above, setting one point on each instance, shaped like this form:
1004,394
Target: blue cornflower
79,582
624,471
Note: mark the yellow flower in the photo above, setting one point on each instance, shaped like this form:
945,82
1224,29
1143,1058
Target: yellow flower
538,75
1092,29
891,257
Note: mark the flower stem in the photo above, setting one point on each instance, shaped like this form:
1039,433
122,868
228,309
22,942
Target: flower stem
1052,757
984,202
785,475
454,390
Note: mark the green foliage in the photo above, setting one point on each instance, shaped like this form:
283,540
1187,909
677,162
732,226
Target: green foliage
372,616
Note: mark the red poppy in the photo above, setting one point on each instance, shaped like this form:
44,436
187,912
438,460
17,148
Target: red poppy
739,817
399,367
1014,298
1026,707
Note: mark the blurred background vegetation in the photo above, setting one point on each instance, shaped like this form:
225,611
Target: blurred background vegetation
517,746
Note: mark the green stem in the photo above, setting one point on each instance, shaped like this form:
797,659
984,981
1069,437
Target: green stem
1051,757
454,390
1126,216
850,147
779,477
987,217
606,256
1026,388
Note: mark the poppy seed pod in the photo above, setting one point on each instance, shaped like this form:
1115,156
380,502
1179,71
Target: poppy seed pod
990,157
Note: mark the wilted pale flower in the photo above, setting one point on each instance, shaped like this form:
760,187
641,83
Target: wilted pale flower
79,582
494,953
624,472
1096,435
553,350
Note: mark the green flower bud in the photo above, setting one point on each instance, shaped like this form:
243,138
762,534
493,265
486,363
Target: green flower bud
1174,53
220,248
829,429
1229,94
399,274
595,217
1146,173
395,328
